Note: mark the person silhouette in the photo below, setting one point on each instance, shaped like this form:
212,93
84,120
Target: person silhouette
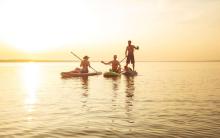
129,53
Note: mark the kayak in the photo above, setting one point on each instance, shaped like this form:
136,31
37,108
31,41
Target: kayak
72,74
130,73
111,74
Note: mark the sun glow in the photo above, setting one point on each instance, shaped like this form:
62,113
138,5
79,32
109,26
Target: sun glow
31,44
165,30
59,23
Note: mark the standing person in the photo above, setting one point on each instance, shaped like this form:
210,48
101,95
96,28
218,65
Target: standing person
116,67
129,53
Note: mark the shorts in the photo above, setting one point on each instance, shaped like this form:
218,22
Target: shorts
130,59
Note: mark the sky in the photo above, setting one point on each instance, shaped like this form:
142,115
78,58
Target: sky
163,29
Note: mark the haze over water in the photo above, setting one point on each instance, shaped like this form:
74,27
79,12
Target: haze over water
165,30
166,99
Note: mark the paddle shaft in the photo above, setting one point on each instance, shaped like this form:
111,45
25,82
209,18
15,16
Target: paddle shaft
81,60
76,56
122,59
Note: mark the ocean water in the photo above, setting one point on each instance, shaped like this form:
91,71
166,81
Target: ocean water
166,99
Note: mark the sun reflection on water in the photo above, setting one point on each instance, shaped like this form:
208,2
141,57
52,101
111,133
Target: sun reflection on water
30,80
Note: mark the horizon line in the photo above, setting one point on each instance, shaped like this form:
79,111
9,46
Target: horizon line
34,60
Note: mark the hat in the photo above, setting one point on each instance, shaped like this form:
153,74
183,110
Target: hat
85,57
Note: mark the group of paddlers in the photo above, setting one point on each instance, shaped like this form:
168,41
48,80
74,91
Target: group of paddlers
116,66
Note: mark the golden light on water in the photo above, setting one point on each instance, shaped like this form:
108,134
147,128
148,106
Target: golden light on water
30,80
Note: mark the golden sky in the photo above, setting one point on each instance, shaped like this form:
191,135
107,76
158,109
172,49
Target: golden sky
163,29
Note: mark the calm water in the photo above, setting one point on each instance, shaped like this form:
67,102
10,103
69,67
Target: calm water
166,99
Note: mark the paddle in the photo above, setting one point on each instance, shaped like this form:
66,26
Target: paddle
122,59
81,60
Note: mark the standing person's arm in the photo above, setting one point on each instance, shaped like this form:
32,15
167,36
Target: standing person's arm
136,47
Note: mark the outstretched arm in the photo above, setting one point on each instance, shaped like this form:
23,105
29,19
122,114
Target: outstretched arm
106,63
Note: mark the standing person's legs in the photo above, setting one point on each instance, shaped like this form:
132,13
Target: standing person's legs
133,61
126,64
128,60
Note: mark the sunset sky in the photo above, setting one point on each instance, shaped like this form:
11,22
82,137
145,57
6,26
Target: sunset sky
163,29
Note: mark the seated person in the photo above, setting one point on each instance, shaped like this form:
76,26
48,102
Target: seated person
84,64
116,67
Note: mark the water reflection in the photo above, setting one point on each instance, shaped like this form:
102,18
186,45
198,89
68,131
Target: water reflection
30,80
115,82
85,93
129,93
84,81
129,87
115,88
30,74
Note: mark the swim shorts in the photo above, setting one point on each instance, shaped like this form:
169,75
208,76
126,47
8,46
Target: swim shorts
130,59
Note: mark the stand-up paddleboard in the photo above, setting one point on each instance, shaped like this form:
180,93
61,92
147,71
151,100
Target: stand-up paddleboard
111,74
130,73
73,74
